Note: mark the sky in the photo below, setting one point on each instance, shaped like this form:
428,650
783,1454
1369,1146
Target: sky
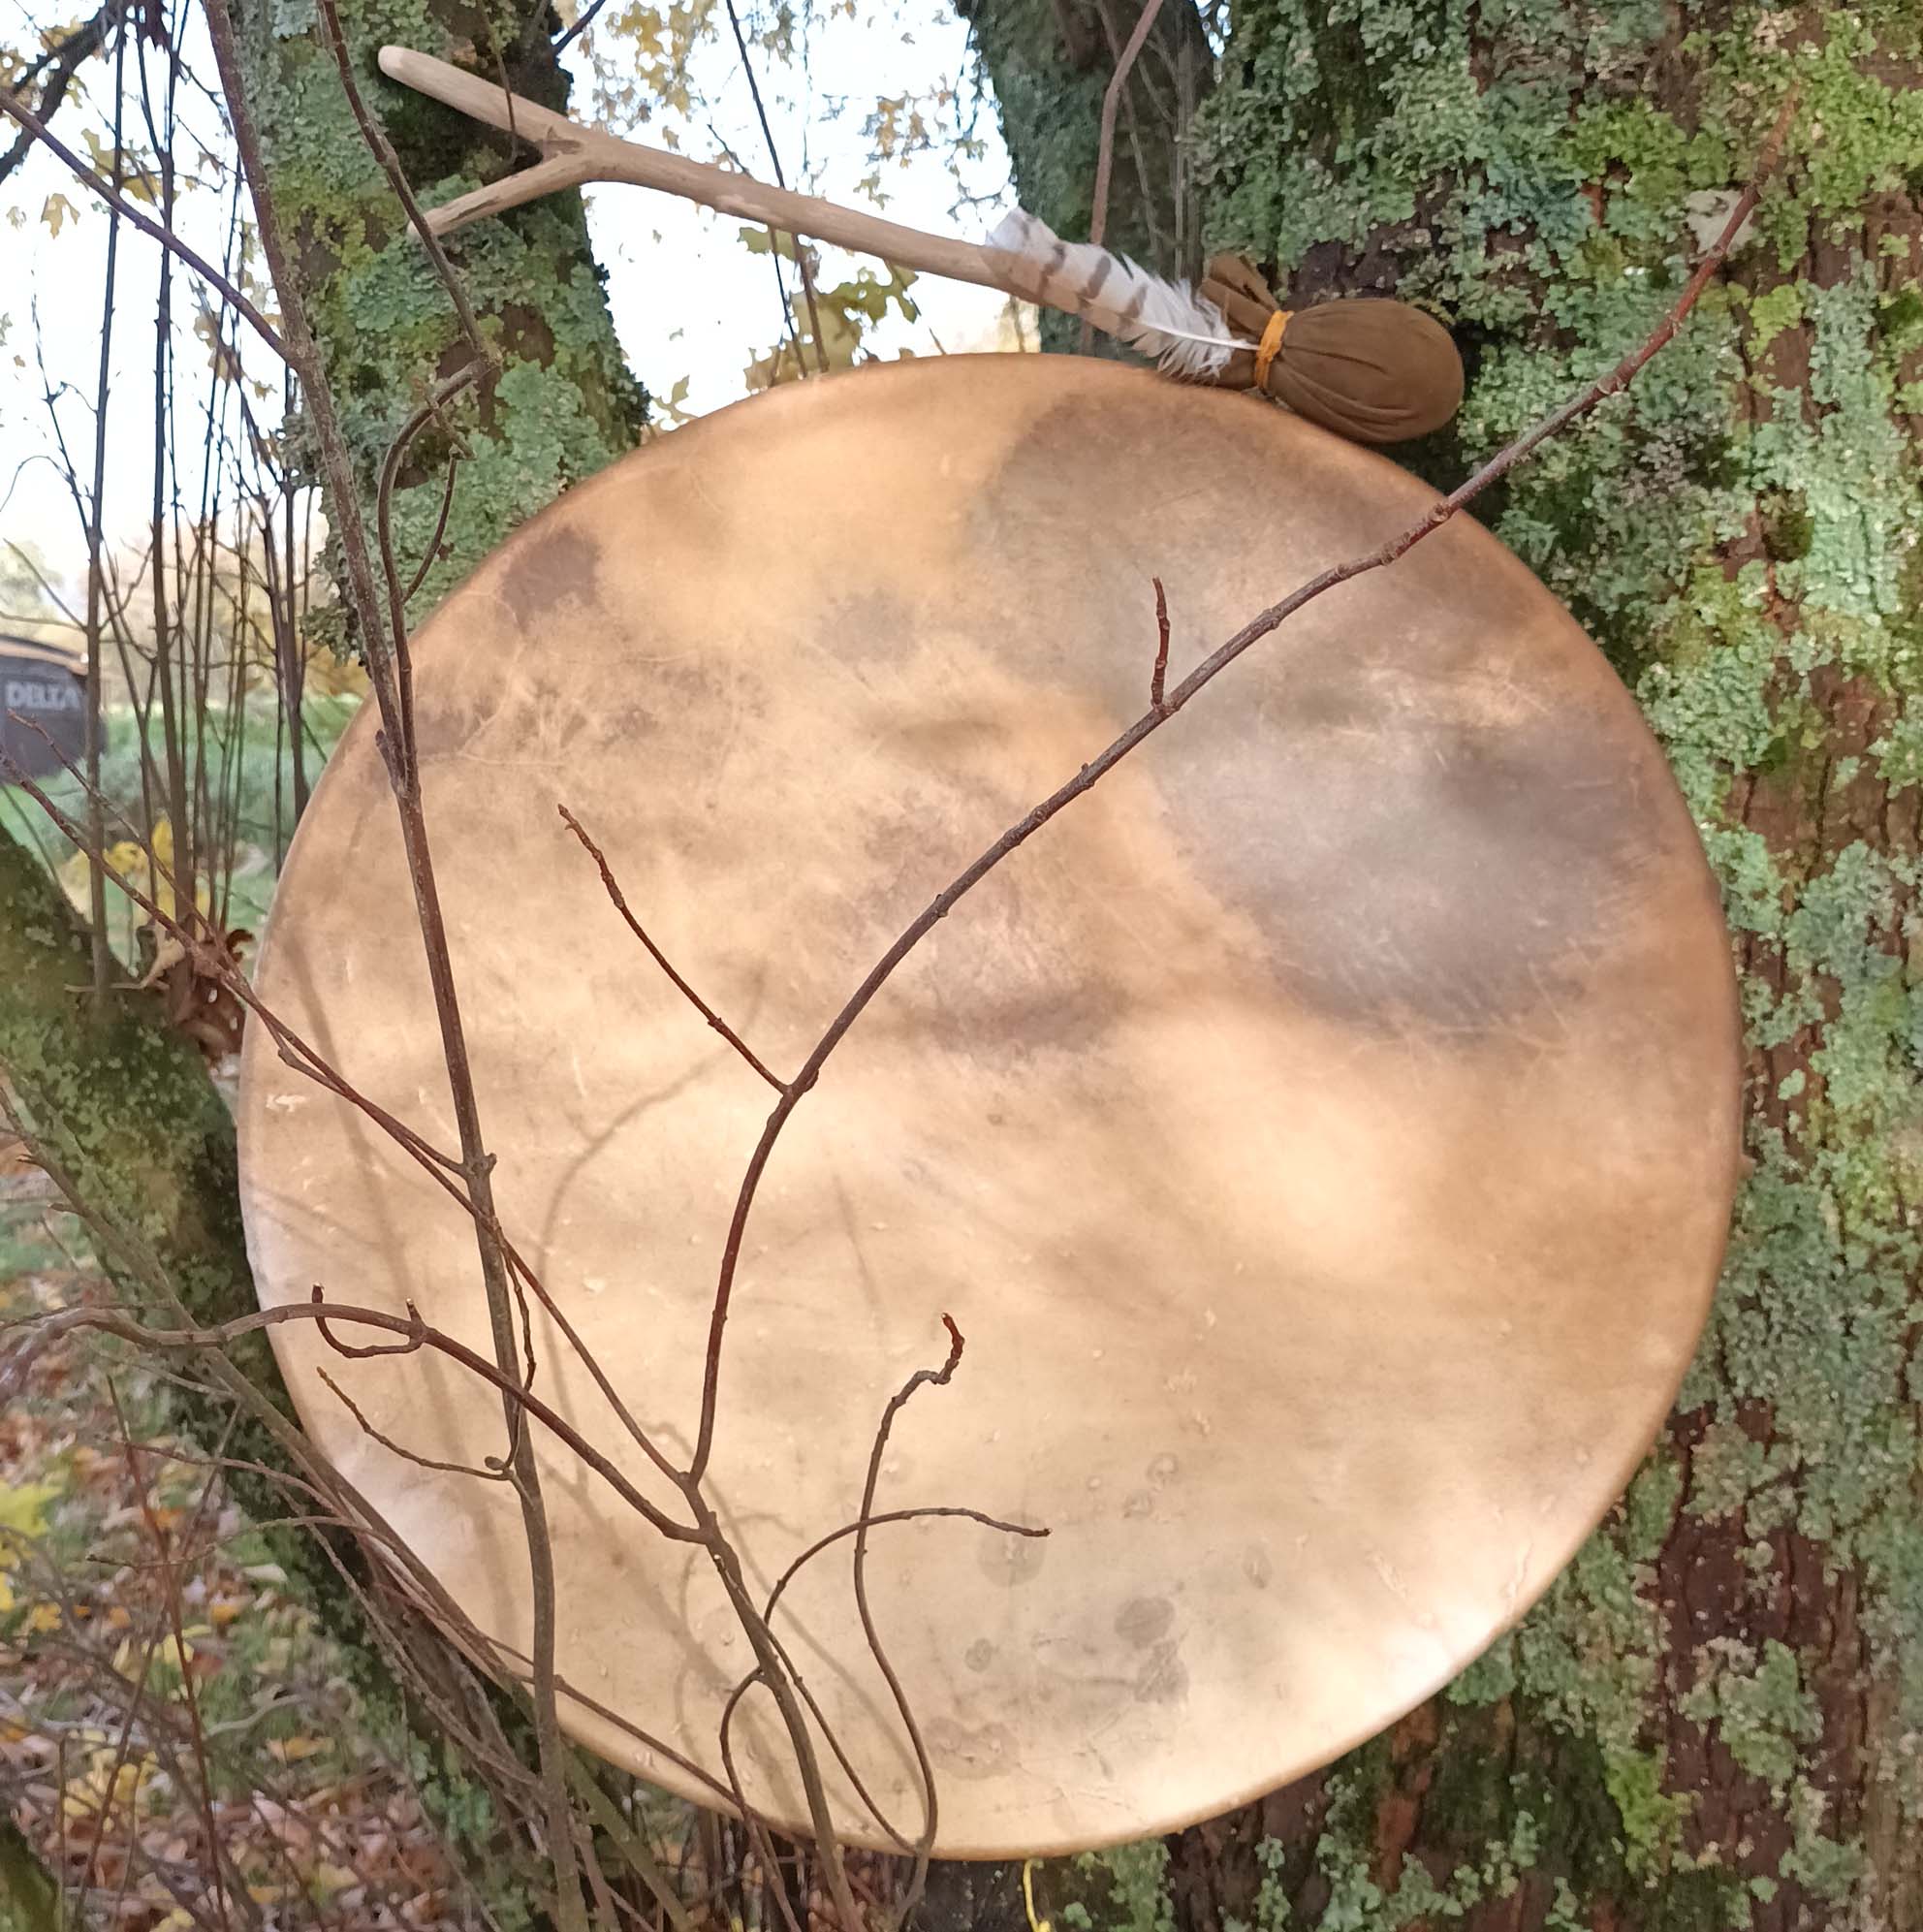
688,298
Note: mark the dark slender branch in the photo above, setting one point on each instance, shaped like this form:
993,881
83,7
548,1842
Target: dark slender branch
64,58
211,959
580,27
768,1660
813,1550
1098,213
42,1331
100,956
146,223
383,651
1159,676
498,1473
383,152
1150,721
922,1378
660,958
920,1513
433,550
444,392
758,1837
802,266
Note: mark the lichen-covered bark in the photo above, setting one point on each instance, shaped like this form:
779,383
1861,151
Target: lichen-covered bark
125,1107
562,404
1712,1720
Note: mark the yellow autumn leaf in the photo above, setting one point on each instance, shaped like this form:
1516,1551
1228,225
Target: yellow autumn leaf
127,860
24,1506
292,1750
55,210
43,1619
329,1879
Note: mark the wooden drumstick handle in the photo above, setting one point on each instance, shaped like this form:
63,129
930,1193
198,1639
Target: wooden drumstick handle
572,155
1162,319
1375,371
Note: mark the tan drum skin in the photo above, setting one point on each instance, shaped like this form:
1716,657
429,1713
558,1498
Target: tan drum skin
1324,1133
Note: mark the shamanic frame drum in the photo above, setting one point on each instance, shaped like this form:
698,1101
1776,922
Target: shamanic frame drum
1324,1132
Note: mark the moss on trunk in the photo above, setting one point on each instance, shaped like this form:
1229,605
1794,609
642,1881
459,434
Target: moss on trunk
562,404
126,1108
1710,1721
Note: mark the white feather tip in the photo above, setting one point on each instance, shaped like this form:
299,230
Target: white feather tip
1185,333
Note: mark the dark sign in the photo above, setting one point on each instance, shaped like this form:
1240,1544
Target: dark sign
41,700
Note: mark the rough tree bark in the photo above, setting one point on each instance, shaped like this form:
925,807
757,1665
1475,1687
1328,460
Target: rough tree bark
1712,1720
561,404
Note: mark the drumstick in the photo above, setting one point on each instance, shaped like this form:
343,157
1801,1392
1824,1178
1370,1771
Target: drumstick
1386,373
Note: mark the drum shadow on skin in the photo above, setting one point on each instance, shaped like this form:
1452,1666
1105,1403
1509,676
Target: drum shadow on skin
1368,784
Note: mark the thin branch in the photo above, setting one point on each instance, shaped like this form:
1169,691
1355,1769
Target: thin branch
496,1474
780,181
1158,676
660,958
1152,720
1098,214
384,651
922,1378
42,1330
390,164
432,554
64,58
147,226
444,392
580,27
813,1550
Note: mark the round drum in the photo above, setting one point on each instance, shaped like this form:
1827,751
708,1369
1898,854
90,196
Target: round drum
1324,1132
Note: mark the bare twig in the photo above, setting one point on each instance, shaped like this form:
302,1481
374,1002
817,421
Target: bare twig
1152,720
101,959
383,654
921,1378
42,1330
801,262
432,554
1158,676
390,164
580,27
1098,213
60,62
147,226
495,1473
660,958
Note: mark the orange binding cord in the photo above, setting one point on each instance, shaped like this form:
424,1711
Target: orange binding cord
1271,343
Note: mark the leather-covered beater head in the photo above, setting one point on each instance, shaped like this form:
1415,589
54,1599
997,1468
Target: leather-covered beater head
1373,369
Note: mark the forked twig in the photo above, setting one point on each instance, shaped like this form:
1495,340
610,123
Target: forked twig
1159,672
1156,717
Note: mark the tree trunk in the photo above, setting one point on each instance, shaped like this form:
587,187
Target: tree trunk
562,404
1712,1718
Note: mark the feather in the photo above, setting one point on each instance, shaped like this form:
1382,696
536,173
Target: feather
1185,333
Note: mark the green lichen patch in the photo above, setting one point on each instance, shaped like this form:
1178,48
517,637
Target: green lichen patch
1743,534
